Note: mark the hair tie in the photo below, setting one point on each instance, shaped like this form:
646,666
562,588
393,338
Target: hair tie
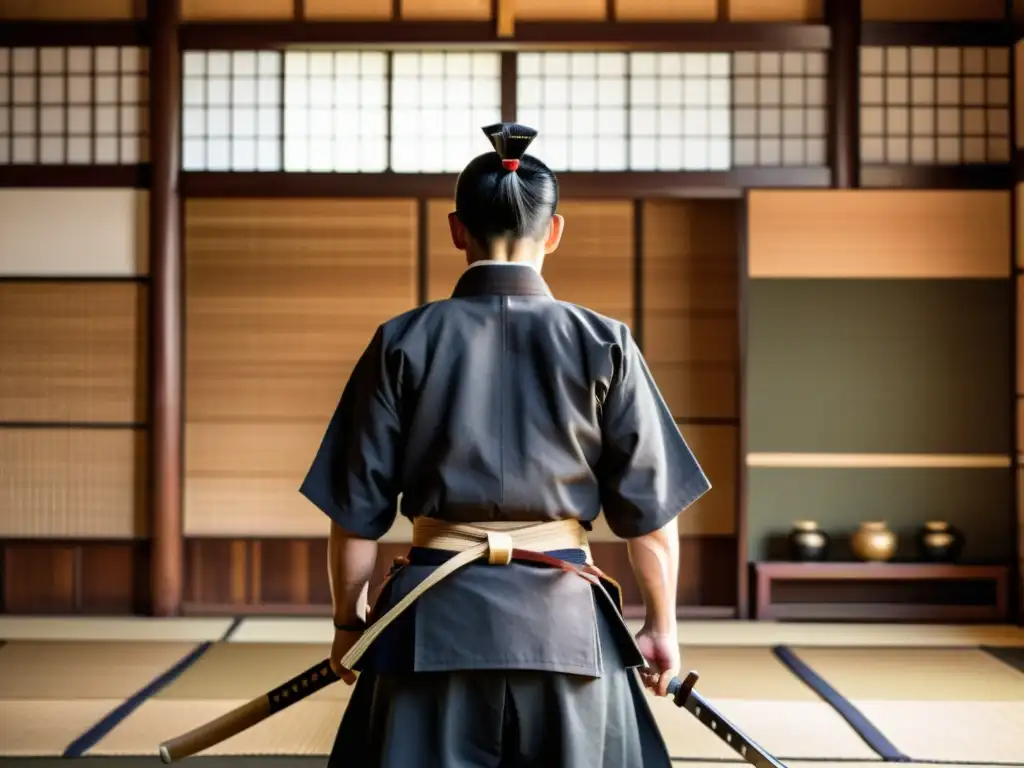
510,165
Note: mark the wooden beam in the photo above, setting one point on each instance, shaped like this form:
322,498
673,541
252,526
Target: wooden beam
60,33
844,19
597,185
106,176
668,36
165,317
936,176
937,33
742,471
1017,161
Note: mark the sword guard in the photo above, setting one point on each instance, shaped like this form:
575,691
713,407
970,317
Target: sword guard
680,689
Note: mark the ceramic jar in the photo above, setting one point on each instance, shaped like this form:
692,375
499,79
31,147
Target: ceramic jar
874,542
939,542
807,542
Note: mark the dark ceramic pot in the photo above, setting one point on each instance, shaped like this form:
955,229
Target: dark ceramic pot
807,542
939,542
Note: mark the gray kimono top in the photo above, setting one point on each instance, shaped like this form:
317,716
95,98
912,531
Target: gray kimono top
501,403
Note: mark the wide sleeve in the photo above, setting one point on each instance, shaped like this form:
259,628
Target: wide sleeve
647,473
354,478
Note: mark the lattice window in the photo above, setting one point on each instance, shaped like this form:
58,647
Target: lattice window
617,111
231,111
335,111
579,102
925,106
73,106
440,101
780,109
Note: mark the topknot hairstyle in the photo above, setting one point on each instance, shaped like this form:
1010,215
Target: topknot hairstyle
506,193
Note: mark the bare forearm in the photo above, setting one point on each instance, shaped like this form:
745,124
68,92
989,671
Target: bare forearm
655,561
350,563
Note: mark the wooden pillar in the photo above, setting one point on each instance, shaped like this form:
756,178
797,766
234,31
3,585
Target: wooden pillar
1016,384
844,19
165,313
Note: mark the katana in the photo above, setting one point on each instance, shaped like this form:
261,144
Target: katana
686,698
320,675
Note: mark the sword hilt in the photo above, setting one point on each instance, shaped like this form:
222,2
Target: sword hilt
680,690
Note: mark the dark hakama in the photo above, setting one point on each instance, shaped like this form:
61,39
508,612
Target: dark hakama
501,404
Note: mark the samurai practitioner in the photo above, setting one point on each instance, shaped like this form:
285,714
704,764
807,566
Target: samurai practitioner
507,420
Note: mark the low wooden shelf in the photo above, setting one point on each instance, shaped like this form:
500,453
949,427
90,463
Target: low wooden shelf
881,592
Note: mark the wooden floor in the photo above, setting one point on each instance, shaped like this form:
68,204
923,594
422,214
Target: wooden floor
110,690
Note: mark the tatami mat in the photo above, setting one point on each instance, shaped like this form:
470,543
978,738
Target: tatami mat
47,727
935,674
789,729
743,673
307,728
931,703
86,670
244,671
139,629
714,633
965,731
769,633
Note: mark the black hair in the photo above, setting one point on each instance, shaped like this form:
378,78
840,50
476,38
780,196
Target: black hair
506,193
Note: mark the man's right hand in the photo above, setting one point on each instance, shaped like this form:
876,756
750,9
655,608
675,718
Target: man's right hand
661,650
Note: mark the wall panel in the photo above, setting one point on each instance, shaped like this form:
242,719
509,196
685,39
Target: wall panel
932,10
564,10
473,10
67,10
73,352
594,264
717,450
102,232
690,294
672,10
350,10
878,366
210,10
282,298
775,10
73,577
879,233
73,483
1018,93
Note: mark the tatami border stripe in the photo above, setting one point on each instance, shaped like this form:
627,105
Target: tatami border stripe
853,716
232,629
116,716
1011,656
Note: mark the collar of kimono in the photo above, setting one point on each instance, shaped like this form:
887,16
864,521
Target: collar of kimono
501,279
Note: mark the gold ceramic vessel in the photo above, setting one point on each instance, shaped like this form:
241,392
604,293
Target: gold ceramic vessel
874,542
